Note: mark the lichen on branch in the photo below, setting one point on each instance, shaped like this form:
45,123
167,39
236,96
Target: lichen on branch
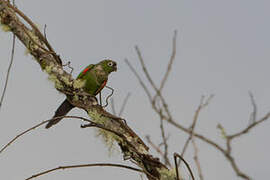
113,128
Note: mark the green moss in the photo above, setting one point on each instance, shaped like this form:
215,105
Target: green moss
96,117
109,138
75,97
66,80
43,64
57,83
5,28
48,69
78,83
166,174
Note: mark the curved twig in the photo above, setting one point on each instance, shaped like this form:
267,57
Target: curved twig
9,68
175,155
110,95
24,132
38,125
85,165
39,34
124,104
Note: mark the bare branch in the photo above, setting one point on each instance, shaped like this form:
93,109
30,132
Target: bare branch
36,30
175,155
168,117
159,151
85,165
140,80
145,69
124,104
172,58
196,159
195,119
253,115
164,141
9,68
21,134
108,97
36,126
248,128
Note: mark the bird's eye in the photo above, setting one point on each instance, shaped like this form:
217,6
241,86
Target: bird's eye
110,63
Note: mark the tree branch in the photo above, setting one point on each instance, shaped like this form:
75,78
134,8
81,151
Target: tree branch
86,165
168,117
9,68
51,64
196,159
195,119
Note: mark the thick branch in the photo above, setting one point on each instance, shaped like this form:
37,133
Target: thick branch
50,63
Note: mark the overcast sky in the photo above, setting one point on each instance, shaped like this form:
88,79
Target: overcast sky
222,49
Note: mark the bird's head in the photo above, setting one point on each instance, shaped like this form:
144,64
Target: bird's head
108,65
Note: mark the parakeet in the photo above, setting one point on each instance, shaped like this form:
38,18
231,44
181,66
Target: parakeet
95,77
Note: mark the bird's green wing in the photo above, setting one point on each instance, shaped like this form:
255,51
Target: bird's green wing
88,68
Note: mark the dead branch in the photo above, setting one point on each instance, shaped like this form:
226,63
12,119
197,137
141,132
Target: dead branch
39,48
196,158
175,155
86,165
195,119
8,71
21,134
172,58
124,104
168,117
164,141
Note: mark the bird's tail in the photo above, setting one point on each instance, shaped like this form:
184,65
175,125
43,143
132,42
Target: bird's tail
62,110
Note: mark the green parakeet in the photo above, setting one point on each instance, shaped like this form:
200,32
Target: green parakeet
95,77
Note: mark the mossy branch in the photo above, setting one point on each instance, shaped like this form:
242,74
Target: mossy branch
130,143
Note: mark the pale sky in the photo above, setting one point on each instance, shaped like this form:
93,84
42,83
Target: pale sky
222,49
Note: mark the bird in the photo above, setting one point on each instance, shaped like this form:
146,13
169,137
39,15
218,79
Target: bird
94,77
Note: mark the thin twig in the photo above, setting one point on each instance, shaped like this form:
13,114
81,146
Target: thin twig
9,68
43,122
196,158
140,80
164,141
154,146
44,31
157,148
195,119
85,165
28,20
175,155
124,104
145,69
108,97
24,132
69,66
170,120
37,31
253,115
246,130
172,58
